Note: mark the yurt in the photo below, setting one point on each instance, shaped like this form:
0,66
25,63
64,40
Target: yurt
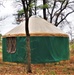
48,43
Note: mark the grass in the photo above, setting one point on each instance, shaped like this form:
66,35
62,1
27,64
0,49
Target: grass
72,46
0,50
71,49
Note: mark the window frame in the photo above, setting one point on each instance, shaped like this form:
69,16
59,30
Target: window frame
11,44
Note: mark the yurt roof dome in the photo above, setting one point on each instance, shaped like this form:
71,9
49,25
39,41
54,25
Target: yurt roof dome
37,27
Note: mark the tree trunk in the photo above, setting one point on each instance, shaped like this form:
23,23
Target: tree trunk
44,10
35,1
28,46
28,54
44,14
25,8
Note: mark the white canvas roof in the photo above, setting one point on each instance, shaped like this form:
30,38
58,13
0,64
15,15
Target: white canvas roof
37,27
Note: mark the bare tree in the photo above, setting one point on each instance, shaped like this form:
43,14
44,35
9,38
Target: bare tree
56,11
59,10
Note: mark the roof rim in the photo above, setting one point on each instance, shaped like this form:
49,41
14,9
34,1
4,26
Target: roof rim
37,34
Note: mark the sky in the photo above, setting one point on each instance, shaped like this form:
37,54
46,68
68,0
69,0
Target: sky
9,9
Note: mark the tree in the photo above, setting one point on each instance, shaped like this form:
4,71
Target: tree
59,10
56,11
26,6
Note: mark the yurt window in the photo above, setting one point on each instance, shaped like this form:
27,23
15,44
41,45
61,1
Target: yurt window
11,44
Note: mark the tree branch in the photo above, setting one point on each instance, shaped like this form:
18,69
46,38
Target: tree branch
65,17
71,2
70,8
58,12
3,18
1,4
51,14
61,9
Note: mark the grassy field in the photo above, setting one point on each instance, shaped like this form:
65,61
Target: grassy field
59,68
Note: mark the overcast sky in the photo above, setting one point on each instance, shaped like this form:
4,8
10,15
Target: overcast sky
7,10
